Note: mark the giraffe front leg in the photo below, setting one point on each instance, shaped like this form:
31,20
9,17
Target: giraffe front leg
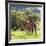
29,31
35,31
32,30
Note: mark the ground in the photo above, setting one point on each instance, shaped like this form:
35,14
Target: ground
24,35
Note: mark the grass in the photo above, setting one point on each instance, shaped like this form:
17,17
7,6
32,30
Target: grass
24,35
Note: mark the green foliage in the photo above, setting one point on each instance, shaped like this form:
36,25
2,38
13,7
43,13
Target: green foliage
35,17
18,17
28,12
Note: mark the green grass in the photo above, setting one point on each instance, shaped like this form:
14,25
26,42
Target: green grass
24,35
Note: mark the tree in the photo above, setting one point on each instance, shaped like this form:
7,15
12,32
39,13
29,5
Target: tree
16,19
35,18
